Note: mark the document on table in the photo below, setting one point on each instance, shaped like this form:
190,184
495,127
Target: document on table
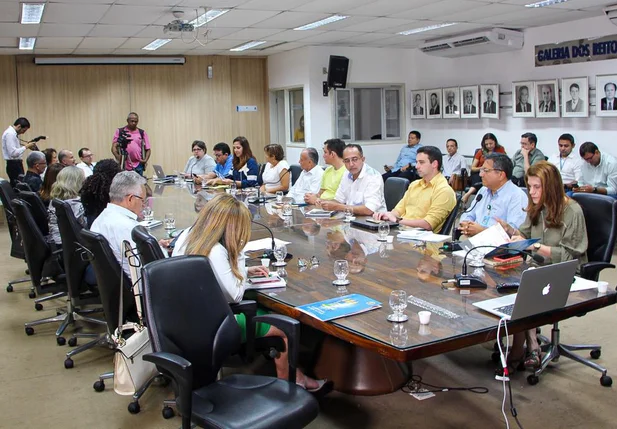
493,236
264,243
422,235
582,284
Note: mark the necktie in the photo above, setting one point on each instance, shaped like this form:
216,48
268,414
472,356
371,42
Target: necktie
524,108
610,105
545,107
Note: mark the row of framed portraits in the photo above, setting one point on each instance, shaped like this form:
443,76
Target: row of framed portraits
530,99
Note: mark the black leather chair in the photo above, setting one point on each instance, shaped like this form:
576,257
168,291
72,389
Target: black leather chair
451,219
23,186
147,245
394,190
38,210
295,170
192,349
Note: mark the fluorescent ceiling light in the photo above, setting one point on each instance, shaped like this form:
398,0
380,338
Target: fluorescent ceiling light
248,45
545,3
208,16
153,46
27,43
325,21
429,28
31,13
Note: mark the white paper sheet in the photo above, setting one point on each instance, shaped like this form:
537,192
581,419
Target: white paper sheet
493,236
422,235
582,284
264,243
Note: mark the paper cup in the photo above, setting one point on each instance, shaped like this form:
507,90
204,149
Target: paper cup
425,317
265,262
602,287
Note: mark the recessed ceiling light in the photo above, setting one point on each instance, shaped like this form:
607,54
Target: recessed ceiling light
545,3
248,45
429,28
153,46
31,13
27,43
325,21
208,16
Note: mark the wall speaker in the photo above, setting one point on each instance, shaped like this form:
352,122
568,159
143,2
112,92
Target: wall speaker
337,71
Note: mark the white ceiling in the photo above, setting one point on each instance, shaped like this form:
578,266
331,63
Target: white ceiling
123,27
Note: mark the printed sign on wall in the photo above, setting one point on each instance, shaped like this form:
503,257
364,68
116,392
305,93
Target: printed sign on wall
576,51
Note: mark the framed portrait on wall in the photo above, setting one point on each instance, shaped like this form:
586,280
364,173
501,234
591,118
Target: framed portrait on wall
451,102
575,97
433,103
547,98
606,87
489,101
469,101
523,100
418,104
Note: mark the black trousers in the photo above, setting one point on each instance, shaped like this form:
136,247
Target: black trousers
410,174
14,167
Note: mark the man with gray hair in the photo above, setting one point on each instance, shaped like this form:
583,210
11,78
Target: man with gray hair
309,181
36,165
66,158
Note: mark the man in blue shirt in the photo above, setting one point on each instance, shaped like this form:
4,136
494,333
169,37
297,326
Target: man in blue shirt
501,199
224,163
406,161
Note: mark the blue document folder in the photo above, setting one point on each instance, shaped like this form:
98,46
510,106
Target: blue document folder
341,306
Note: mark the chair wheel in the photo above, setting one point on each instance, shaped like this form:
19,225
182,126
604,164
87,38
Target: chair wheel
38,306
9,288
595,354
68,363
168,413
606,381
61,341
134,408
72,341
533,380
99,386
32,294
29,331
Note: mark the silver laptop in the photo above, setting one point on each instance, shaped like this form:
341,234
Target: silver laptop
159,171
541,290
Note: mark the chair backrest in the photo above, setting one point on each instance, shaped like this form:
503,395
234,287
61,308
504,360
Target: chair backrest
7,195
39,212
394,189
75,259
36,248
295,170
23,186
601,220
108,274
447,226
147,245
207,333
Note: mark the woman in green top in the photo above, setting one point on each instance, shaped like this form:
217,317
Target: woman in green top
559,223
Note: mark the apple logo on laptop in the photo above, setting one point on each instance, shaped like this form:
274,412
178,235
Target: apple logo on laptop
546,289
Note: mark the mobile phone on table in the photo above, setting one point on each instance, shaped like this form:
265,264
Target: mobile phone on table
371,220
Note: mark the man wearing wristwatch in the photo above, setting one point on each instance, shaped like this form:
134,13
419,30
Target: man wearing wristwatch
599,171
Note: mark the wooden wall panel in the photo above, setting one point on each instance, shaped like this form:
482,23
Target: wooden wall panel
249,77
8,98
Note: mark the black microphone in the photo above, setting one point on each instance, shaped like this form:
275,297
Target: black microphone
468,281
270,253
259,199
478,199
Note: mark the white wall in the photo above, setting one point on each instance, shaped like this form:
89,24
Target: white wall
416,70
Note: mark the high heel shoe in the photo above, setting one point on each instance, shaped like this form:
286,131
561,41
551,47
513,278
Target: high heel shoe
324,386
534,360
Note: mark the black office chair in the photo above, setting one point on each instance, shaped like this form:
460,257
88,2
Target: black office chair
147,245
17,250
394,190
192,348
601,221
451,219
38,210
295,170
23,186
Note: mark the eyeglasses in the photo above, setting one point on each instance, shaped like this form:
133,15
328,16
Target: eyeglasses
488,170
137,196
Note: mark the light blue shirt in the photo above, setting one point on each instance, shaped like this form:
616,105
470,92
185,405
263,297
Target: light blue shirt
507,203
602,176
224,170
407,155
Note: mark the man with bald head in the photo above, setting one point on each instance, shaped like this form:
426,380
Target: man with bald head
548,101
66,158
309,181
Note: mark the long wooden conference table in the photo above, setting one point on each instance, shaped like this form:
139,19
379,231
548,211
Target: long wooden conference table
365,353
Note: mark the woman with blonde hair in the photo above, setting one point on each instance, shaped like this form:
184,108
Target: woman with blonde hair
221,231
66,188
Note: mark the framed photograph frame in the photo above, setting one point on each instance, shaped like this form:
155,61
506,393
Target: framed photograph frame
418,104
523,99
606,87
489,101
575,97
432,98
547,98
451,103
469,102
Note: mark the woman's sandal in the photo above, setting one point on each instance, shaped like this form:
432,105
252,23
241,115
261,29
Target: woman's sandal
513,366
534,360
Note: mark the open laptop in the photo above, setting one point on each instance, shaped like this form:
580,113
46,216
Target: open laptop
368,224
541,290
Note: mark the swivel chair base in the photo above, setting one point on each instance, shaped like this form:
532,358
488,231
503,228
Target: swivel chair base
11,285
65,318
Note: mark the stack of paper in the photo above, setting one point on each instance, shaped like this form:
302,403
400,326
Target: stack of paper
264,243
422,235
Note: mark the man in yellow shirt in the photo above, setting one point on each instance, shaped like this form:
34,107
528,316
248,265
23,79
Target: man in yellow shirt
333,156
428,201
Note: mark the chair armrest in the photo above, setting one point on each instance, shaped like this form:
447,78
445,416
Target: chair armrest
591,270
249,309
291,329
181,371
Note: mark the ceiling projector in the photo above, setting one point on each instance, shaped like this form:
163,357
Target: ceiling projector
178,26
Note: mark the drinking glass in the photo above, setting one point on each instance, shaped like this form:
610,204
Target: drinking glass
383,230
286,209
348,213
233,188
399,335
279,196
341,271
280,251
148,213
170,221
398,304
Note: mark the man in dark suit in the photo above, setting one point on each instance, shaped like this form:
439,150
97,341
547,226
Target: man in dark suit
575,105
451,108
547,104
468,108
417,105
523,104
489,105
608,102
434,104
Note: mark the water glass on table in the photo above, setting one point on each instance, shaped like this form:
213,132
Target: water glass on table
169,221
341,271
398,304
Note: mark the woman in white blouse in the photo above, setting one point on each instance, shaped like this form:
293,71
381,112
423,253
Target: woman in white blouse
220,233
276,174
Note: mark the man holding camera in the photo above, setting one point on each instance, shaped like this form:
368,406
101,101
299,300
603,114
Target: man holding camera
13,150
132,143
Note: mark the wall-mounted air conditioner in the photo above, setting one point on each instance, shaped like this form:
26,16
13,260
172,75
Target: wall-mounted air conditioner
482,42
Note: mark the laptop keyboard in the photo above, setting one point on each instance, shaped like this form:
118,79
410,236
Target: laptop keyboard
506,309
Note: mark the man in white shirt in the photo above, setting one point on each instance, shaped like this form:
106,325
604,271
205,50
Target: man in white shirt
309,181
66,158
361,189
87,164
454,162
567,161
13,151
599,171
